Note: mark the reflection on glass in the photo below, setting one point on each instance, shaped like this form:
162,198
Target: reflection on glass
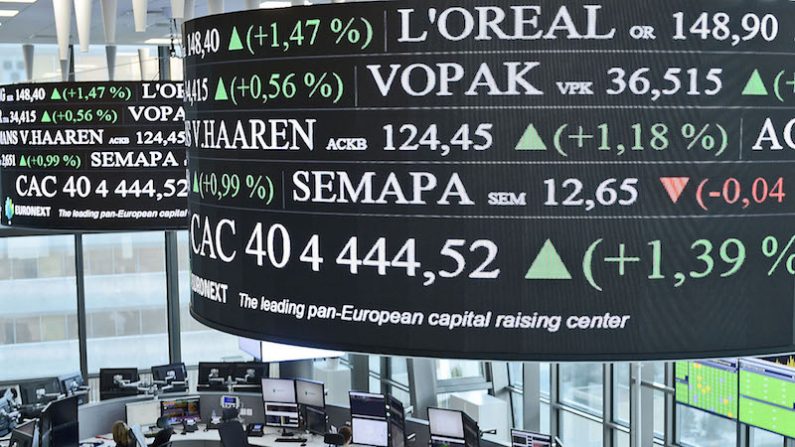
698,428
579,432
125,300
581,386
38,307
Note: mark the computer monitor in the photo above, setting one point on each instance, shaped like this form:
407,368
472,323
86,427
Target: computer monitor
373,432
523,438
59,424
278,390
174,373
247,376
138,435
281,414
367,405
179,410
316,421
446,423
109,389
446,442
40,391
143,413
8,403
25,435
310,393
74,385
214,376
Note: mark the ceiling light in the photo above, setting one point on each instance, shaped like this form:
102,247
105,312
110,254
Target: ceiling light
158,41
8,12
275,4
17,1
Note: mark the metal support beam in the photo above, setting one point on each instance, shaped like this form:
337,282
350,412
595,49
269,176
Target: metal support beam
531,395
164,62
607,404
82,316
386,373
360,372
422,383
670,403
641,406
172,298
554,399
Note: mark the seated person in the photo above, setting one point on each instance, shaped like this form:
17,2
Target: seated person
347,434
121,435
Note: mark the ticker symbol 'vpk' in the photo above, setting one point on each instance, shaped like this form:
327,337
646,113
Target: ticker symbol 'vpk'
575,88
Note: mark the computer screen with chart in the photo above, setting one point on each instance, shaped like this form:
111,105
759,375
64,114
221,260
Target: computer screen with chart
709,385
767,396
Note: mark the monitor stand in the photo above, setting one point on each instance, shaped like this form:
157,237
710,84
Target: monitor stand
286,433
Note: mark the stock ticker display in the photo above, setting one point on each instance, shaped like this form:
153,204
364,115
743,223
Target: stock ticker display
93,156
502,180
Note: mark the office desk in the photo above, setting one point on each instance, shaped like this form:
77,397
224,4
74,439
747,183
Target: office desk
211,438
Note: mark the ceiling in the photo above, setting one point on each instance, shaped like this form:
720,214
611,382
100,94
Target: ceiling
35,22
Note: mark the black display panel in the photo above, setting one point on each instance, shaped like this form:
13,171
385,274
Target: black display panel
93,156
499,180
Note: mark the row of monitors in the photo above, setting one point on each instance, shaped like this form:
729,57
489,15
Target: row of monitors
48,389
212,376
756,392
57,426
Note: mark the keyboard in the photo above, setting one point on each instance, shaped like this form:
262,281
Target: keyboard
298,440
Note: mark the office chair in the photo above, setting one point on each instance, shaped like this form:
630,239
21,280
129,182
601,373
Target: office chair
334,439
163,437
232,434
229,414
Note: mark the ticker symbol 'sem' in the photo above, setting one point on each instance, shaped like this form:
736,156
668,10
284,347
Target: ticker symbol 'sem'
23,162
674,186
548,264
531,140
234,40
755,85
46,118
220,91
56,96
195,183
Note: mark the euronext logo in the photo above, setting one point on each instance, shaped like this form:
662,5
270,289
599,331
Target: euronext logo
9,209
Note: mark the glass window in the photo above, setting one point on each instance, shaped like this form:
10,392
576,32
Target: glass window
659,413
126,300
544,417
374,363
578,431
763,438
698,428
621,393
622,438
515,379
544,378
38,299
199,342
581,386
399,372
458,369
